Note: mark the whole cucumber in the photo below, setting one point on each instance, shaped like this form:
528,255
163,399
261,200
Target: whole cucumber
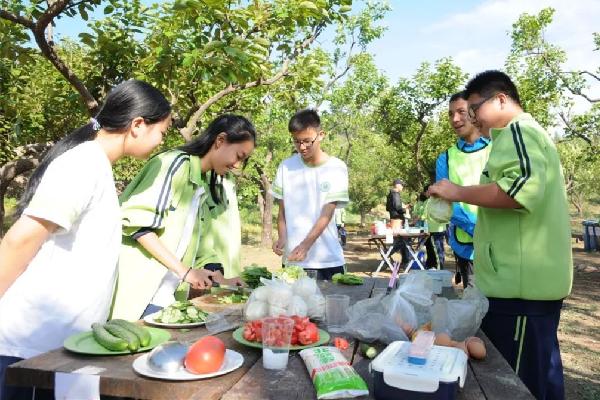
107,340
139,331
133,343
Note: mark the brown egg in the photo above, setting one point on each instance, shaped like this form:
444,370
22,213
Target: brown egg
462,345
443,339
476,348
409,330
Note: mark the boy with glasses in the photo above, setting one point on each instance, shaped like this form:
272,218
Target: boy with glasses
310,185
523,261
462,164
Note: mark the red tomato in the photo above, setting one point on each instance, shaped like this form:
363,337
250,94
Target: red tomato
309,335
205,356
341,343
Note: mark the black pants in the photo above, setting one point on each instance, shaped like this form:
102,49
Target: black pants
464,268
325,274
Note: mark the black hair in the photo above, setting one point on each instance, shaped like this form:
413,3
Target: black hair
236,128
488,83
460,95
126,101
304,119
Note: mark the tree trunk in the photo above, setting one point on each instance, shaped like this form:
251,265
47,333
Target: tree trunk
363,219
8,172
266,238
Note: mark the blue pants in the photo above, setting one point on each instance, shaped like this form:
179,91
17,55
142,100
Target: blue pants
525,333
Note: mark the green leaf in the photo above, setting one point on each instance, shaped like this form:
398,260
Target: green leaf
309,5
109,9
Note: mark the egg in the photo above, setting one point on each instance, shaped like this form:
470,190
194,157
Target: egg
443,339
462,346
408,329
476,348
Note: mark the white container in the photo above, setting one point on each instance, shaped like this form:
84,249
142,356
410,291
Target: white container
439,378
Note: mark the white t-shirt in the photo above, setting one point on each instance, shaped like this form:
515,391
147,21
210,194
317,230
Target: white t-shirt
305,190
69,283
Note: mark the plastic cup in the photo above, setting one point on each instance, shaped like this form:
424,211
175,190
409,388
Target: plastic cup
336,306
312,273
276,338
223,321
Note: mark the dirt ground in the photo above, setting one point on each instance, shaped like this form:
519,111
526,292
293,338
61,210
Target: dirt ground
579,331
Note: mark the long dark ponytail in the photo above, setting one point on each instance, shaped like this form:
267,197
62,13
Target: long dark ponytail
126,101
236,128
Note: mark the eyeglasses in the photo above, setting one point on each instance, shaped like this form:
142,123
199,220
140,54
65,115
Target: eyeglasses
474,107
307,142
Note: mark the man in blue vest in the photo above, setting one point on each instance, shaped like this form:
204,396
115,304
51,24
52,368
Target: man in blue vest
462,164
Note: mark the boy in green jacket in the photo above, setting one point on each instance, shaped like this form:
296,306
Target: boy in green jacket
523,261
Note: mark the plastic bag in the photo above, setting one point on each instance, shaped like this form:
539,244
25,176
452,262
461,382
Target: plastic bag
384,318
277,297
459,318
332,375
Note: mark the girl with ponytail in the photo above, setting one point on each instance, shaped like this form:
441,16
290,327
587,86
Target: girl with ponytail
179,220
58,261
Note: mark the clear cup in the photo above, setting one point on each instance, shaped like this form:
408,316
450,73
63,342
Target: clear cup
276,338
336,306
312,273
222,321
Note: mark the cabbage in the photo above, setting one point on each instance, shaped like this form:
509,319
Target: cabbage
290,273
439,210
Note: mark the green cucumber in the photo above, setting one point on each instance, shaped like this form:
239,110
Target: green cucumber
133,343
107,340
366,350
139,331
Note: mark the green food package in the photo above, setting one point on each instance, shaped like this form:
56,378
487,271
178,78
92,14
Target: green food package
332,374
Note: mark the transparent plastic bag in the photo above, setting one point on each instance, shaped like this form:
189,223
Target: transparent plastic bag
459,318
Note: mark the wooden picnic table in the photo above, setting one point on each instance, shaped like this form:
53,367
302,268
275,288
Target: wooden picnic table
488,379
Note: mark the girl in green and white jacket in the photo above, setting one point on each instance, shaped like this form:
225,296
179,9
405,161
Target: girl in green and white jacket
178,201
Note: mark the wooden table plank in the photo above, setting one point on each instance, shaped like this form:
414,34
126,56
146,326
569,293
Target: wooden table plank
119,379
495,376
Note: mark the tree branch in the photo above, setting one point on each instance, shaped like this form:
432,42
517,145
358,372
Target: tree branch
191,123
17,19
48,51
573,130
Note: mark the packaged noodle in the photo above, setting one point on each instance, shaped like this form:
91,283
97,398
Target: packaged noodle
332,374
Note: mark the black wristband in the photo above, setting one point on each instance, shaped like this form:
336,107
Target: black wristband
186,274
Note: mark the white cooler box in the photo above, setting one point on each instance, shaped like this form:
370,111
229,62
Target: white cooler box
439,378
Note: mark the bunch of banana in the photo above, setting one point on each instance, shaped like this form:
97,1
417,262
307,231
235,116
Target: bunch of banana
121,335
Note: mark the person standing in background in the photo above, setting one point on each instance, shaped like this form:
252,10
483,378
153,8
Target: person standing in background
462,164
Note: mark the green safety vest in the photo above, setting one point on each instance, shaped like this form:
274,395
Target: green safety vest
464,169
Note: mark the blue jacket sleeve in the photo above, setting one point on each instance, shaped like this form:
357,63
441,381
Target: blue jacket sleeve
464,219
441,167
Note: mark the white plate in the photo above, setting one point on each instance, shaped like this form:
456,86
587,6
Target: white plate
233,360
149,319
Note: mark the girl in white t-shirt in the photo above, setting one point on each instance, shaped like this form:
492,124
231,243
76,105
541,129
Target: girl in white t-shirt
58,261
